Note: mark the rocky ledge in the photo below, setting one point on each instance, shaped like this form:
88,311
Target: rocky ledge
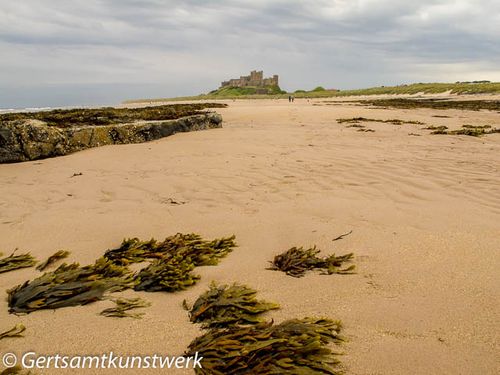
31,139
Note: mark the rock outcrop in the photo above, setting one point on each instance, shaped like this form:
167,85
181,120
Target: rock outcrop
23,140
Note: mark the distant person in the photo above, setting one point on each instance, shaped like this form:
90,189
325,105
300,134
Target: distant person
293,98
289,98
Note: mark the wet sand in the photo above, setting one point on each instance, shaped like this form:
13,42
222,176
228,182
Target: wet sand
424,211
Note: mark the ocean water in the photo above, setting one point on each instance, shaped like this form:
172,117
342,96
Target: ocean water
30,109
39,109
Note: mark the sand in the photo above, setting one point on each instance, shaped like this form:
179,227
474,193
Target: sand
424,211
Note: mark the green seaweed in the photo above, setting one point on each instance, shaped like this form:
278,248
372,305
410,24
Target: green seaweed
225,305
169,274
61,254
296,346
69,285
366,130
470,130
14,262
17,331
296,261
355,120
123,306
16,370
201,252
64,118
174,259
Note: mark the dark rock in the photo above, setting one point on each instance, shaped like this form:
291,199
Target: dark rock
24,140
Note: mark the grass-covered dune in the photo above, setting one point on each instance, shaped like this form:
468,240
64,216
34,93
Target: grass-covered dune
459,88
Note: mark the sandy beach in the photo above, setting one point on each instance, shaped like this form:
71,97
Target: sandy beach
424,211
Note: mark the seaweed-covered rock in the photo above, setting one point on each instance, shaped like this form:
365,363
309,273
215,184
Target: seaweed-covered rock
31,139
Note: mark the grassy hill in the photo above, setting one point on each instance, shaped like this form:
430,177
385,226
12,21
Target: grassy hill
245,91
274,92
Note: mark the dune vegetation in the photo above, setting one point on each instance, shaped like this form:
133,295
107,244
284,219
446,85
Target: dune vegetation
459,88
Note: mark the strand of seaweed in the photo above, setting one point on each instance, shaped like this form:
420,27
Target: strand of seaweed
15,262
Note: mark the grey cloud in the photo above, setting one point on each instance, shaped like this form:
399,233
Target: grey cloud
187,47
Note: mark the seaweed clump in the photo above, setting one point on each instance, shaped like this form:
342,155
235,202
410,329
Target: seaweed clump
237,341
69,285
167,275
173,259
15,262
442,129
17,331
61,254
225,305
123,306
16,370
470,130
355,120
296,346
201,252
296,261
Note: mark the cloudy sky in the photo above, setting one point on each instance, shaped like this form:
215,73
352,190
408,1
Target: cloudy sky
89,52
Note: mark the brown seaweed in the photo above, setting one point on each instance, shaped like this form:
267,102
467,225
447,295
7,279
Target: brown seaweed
296,346
470,130
15,262
225,305
170,274
201,252
61,254
296,261
64,118
17,331
174,259
16,370
356,120
69,285
124,305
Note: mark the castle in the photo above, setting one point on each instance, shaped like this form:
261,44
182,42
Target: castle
255,79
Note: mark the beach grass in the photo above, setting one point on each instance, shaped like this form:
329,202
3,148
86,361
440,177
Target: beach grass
459,88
